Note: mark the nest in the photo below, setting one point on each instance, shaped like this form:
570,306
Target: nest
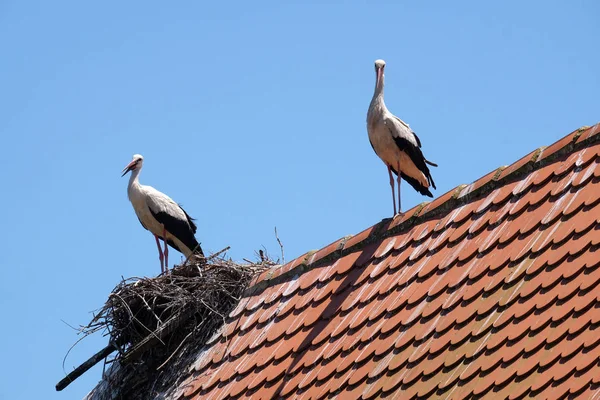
149,321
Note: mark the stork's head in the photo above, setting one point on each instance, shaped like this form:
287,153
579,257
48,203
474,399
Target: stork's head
379,67
135,164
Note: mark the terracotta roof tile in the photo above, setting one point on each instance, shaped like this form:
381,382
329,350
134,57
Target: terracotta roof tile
491,290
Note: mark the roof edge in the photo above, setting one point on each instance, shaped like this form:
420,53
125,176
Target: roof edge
459,196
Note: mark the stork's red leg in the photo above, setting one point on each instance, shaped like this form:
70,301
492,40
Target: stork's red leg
392,185
166,249
160,255
399,205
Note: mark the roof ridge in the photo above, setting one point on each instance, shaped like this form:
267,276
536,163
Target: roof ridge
460,195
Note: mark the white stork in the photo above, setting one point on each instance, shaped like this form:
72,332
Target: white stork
159,214
396,144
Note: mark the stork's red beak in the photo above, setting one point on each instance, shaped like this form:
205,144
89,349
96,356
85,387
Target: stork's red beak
379,73
129,167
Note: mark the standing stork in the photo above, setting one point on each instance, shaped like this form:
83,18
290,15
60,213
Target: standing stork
396,144
160,215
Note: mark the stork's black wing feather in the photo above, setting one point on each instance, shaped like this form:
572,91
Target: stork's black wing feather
409,143
181,229
419,143
417,186
416,137
190,219
416,155
414,183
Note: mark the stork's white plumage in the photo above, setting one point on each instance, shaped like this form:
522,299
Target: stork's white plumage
159,214
396,144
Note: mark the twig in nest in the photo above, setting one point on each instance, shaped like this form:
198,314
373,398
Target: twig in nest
178,348
70,326
280,246
218,253
158,320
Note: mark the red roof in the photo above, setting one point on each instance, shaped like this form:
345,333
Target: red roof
492,289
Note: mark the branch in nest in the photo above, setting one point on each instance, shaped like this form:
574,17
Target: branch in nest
77,372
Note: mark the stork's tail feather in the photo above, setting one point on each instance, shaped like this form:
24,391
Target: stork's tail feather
417,185
432,182
428,174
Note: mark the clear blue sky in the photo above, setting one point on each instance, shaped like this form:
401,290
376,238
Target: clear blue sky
252,116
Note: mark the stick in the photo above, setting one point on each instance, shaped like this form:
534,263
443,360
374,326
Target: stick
218,252
262,256
280,246
77,372
176,350
206,259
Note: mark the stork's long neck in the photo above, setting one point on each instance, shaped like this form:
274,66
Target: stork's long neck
377,104
379,86
134,182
